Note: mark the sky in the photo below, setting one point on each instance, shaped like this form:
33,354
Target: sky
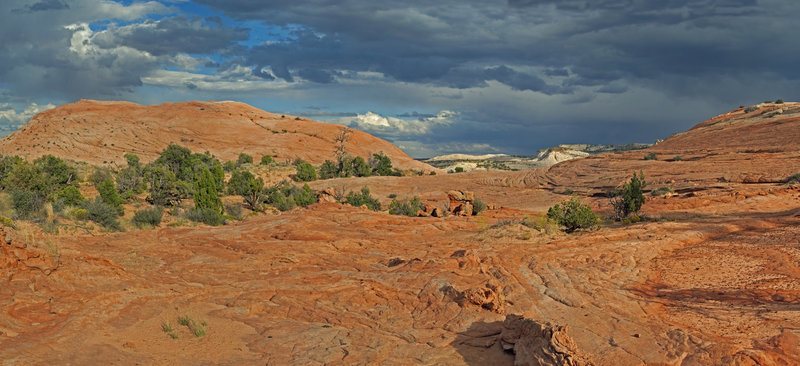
433,77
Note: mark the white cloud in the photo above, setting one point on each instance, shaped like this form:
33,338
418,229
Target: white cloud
373,122
11,116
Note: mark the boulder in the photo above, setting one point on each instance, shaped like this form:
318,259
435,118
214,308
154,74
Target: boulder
327,195
536,343
461,203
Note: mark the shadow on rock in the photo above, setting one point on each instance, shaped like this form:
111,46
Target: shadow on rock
518,341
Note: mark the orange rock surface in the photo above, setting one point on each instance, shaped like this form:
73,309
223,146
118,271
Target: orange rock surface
98,132
710,277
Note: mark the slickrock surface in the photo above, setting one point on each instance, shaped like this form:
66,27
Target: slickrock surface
711,278
99,131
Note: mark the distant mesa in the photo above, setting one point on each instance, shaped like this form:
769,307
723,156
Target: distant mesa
100,132
544,158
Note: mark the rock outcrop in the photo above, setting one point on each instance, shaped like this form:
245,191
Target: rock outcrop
101,132
460,203
535,343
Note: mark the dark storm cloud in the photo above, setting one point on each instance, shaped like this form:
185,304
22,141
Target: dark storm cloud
48,5
172,35
51,51
465,44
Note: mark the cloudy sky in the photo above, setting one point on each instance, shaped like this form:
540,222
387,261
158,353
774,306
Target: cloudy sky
434,77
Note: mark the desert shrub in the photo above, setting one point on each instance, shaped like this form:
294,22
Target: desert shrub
109,195
266,160
281,202
477,206
234,210
7,222
794,179
405,207
779,101
381,164
540,223
70,196
573,215
360,167
304,197
78,214
459,169
58,173
27,204
328,170
676,158
251,189
229,166
23,176
100,174
364,198
660,191
102,213
205,192
630,198
164,187
244,159
286,196
651,156
750,109
205,215
148,216
130,181
305,172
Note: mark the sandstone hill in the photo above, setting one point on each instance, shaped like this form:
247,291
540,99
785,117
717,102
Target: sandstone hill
99,132
709,277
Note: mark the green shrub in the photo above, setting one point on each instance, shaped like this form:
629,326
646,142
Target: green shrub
266,160
380,164
328,170
630,198
109,195
100,174
305,172
164,187
573,215
281,202
102,213
234,210
251,189
207,216
779,101
130,181
229,166
7,222
78,214
148,216
477,206
794,179
27,204
405,207
651,156
360,167
205,192
459,169
364,198
304,197
71,196
244,159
